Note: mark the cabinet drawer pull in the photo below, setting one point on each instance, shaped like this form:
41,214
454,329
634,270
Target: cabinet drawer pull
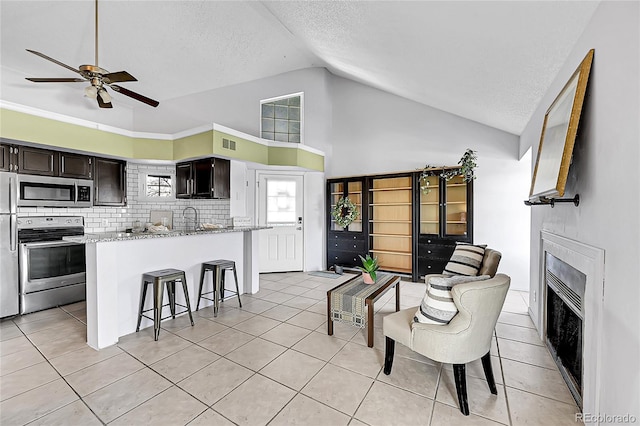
429,251
354,246
429,241
354,238
336,258
336,244
429,267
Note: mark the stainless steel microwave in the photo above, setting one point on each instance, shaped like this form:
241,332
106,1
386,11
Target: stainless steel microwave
46,191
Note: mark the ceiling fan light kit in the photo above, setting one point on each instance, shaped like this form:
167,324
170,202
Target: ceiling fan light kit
98,77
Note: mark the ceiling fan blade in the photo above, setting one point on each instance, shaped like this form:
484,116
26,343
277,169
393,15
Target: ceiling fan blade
134,95
42,55
56,80
117,77
103,104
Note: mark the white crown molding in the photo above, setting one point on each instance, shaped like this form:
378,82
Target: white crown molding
146,135
81,122
266,142
193,131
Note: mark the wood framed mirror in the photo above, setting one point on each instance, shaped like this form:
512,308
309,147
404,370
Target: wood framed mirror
558,136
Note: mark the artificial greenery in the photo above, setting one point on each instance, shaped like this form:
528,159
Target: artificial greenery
369,266
467,164
344,212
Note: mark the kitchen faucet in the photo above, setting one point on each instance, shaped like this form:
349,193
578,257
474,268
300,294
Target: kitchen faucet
195,222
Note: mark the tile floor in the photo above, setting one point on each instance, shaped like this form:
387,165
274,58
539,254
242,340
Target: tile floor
270,362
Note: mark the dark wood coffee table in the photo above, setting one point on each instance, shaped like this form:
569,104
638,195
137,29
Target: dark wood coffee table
383,285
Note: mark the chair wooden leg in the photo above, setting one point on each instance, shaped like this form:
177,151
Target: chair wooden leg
461,387
488,372
390,346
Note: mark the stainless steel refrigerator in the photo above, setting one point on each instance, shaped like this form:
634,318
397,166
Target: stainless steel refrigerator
8,245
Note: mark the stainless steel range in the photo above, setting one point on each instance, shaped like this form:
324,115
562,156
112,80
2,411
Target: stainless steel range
51,271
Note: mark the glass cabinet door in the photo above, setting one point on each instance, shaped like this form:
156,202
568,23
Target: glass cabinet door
336,192
430,206
354,192
455,207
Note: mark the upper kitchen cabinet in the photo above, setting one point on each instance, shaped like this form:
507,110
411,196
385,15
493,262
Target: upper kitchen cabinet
75,165
204,178
47,162
8,161
110,182
37,161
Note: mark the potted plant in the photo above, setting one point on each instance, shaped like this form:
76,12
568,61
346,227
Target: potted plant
466,166
369,268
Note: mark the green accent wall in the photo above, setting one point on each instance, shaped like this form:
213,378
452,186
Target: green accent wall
24,127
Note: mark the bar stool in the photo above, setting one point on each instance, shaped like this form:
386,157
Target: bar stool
159,279
218,268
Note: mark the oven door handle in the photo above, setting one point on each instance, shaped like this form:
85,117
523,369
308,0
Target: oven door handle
58,243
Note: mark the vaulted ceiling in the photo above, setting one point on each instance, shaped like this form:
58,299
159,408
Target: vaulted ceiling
490,62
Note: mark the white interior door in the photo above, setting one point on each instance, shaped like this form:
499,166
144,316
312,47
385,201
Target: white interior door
280,206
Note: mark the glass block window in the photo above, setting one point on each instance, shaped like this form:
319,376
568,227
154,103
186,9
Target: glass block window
158,186
281,202
281,118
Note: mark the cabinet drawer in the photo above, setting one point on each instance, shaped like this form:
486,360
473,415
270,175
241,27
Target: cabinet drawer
343,258
431,267
433,251
348,245
343,236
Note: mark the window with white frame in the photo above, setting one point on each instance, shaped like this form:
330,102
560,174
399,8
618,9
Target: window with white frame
281,119
156,186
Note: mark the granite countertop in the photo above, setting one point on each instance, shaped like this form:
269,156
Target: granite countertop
102,237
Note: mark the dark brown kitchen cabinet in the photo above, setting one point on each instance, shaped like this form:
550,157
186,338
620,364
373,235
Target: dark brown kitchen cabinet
183,180
221,185
109,182
37,161
75,165
204,178
47,162
6,158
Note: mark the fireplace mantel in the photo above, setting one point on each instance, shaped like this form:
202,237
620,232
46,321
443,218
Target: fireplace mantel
590,261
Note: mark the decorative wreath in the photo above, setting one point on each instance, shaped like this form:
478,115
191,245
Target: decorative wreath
344,212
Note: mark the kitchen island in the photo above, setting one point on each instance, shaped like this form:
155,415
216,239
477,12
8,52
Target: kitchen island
116,262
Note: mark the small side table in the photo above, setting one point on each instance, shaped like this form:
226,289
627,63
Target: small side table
355,287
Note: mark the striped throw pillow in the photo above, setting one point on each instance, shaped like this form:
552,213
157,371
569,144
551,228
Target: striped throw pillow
437,305
465,260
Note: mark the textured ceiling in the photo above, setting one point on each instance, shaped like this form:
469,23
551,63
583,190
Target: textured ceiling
487,61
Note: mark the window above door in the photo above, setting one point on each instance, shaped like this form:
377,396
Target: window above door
281,118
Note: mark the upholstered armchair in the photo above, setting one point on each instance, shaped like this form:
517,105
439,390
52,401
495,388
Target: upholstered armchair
466,338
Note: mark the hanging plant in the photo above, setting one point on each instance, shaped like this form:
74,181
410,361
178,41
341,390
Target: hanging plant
344,212
467,166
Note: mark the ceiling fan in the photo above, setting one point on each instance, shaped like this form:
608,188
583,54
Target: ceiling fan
98,77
